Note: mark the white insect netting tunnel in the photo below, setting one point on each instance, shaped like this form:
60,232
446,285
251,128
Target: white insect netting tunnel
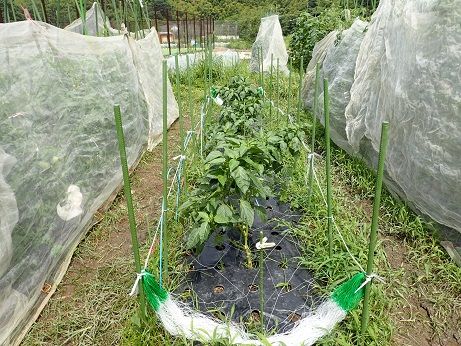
403,67
59,160
270,43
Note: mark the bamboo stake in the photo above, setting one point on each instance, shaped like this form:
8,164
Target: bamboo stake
374,222
129,203
314,123
326,110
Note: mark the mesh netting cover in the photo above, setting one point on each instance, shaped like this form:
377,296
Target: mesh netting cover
270,40
406,71
59,160
338,68
95,24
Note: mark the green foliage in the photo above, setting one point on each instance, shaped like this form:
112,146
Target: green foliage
239,44
233,172
287,140
242,106
310,29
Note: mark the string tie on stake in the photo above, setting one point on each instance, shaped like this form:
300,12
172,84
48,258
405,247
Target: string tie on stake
369,279
134,289
181,157
311,156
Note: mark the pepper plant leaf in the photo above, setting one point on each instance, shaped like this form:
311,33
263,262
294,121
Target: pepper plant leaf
247,213
241,178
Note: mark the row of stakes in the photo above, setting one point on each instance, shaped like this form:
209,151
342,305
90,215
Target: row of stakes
164,241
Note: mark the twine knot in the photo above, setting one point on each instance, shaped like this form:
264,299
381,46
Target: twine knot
134,289
369,279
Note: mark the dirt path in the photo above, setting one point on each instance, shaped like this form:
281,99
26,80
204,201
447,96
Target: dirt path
91,305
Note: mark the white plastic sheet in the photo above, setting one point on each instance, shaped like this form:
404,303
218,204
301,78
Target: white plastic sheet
58,146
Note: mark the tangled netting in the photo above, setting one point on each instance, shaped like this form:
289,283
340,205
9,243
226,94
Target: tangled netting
59,160
403,67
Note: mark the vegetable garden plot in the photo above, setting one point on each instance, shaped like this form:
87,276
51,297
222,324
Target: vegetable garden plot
58,156
227,202
404,72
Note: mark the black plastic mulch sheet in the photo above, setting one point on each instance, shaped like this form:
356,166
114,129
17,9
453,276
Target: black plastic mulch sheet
220,284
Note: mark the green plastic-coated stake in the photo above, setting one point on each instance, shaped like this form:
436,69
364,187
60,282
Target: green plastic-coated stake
301,73
314,123
270,86
261,282
129,203
326,112
178,98
262,68
189,94
374,221
289,91
210,70
165,170
277,74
